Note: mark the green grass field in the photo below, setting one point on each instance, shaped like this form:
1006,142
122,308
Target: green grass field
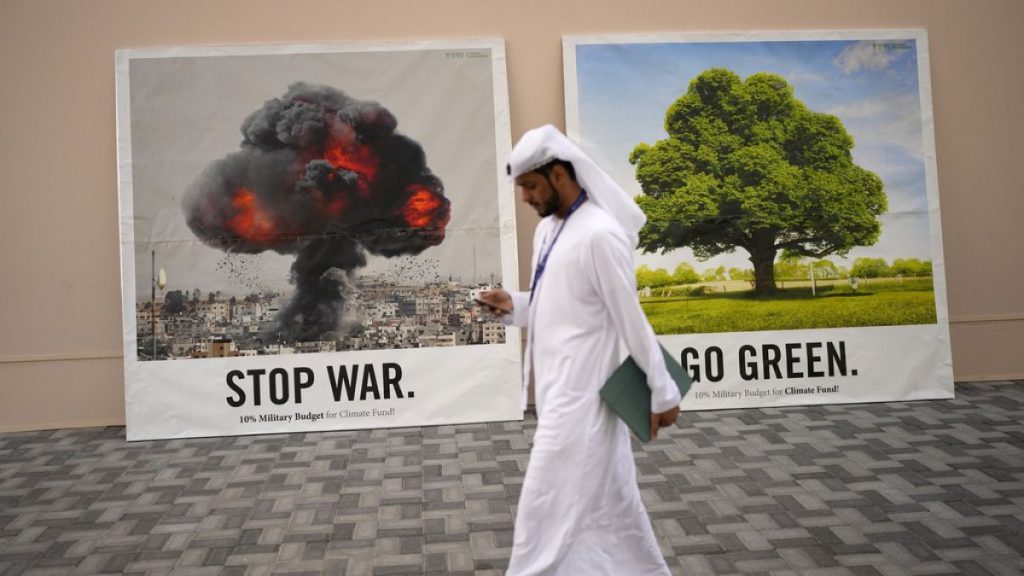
877,302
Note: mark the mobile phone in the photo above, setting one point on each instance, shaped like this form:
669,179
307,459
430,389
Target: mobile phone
490,306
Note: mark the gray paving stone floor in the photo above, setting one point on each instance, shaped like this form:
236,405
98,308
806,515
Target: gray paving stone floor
928,487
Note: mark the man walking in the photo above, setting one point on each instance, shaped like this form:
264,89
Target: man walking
580,512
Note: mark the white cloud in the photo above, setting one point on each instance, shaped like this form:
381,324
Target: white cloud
863,55
890,118
795,77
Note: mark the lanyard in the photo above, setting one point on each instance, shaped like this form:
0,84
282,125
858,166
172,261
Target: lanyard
544,258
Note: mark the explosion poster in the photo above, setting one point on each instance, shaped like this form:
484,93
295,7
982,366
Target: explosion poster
303,232
793,251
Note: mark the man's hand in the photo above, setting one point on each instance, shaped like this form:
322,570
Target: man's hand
663,419
498,301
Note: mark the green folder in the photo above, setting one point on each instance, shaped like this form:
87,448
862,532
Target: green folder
627,394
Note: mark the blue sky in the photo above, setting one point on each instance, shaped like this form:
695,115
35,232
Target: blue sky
872,86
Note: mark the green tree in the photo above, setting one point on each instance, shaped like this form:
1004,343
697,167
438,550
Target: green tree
685,274
644,278
870,268
911,267
791,267
741,274
660,277
714,274
647,278
747,165
826,269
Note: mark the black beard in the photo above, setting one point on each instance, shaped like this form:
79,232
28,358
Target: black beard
554,203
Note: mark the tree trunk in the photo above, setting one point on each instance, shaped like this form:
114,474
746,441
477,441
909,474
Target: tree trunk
763,259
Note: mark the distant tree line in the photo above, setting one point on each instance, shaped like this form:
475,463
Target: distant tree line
787,267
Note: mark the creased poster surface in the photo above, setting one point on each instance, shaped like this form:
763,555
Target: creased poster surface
303,229
793,251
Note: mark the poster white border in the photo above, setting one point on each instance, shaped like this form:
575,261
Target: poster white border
174,399
891,362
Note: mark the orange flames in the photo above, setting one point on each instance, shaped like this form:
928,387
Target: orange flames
421,209
252,222
344,151
336,206
360,160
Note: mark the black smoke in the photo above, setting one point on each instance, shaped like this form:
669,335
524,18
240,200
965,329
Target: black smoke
327,178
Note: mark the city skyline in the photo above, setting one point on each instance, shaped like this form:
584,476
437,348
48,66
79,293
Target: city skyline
382,315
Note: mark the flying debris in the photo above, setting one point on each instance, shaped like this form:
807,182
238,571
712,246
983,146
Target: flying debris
324,177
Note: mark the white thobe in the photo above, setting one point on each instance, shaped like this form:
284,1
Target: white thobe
580,512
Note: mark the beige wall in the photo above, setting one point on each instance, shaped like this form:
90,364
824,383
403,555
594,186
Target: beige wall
60,321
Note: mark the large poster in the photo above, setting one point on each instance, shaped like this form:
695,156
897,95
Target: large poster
303,230
793,251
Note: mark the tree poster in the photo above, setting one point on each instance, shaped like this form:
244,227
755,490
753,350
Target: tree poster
303,231
792,252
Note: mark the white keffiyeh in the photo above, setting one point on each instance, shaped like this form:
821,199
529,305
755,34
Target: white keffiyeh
542,145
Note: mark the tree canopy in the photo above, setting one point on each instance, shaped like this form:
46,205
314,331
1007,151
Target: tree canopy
870,268
911,267
747,165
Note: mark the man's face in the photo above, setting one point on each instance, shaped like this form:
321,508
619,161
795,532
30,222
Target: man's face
536,190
